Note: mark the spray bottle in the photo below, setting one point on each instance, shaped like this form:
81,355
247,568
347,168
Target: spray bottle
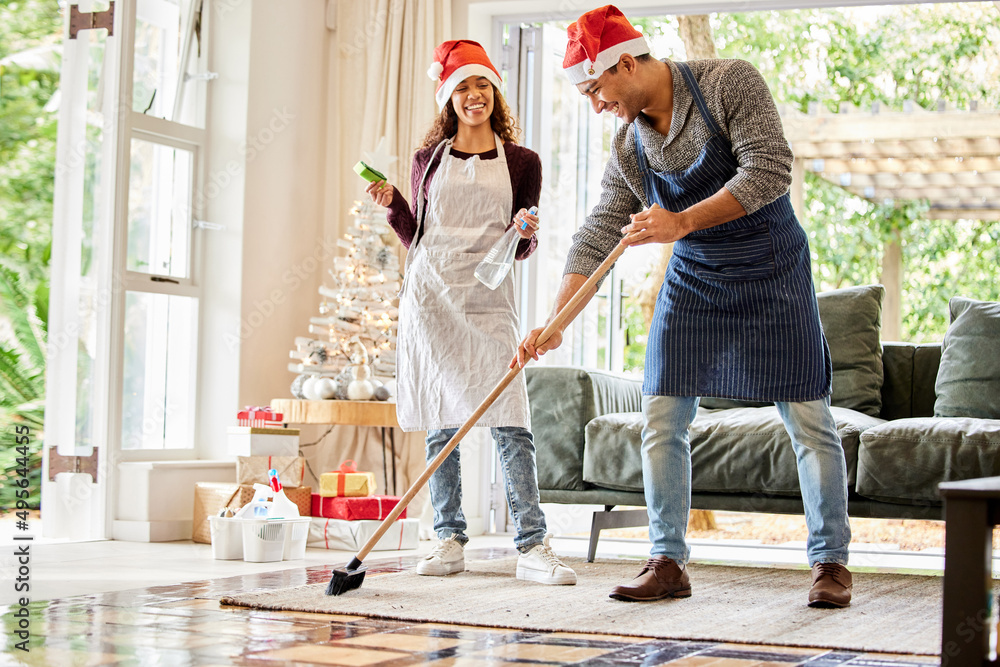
494,267
281,506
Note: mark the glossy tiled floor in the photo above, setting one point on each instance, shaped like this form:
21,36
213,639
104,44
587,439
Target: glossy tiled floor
183,624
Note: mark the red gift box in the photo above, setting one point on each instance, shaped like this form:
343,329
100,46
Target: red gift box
355,508
258,416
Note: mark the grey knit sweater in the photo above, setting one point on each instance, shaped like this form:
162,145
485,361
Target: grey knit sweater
741,105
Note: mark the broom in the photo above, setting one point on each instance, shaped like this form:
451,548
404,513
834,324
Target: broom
352,576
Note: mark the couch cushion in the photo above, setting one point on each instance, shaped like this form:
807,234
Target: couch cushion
903,460
852,319
968,379
897,381
561,405
742,450
908,384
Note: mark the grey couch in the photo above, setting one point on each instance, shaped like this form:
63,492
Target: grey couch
587,429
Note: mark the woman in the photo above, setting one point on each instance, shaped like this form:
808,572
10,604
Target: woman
456,336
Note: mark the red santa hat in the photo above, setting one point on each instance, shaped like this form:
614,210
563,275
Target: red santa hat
456,60
597,40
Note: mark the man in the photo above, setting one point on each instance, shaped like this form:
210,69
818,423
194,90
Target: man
703,162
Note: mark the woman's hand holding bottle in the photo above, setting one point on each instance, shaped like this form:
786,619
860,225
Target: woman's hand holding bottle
526,222
380,192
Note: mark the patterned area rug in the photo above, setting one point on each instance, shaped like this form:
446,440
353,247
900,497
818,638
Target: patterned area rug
890,613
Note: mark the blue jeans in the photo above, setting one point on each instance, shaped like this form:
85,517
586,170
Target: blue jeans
517,458
822,468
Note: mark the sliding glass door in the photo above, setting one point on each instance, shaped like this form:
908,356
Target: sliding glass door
574,144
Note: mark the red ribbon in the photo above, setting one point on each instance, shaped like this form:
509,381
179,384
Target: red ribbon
346,467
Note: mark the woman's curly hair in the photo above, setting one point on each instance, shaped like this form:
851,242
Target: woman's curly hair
501,120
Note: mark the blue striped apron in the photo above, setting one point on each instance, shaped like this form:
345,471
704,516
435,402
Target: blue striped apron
737,314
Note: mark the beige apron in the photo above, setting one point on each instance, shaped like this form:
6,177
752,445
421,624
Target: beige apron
456,336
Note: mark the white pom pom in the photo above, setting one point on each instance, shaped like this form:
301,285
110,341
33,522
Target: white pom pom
434,71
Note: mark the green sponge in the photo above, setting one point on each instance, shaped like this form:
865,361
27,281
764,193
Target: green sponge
368,173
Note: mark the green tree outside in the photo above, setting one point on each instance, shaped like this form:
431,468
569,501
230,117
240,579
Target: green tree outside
863,56
30,35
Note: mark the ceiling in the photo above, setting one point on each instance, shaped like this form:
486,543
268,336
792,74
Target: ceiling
950,158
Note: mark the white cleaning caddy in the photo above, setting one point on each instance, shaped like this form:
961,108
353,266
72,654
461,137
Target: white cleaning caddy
227,538
265,530
259,540
296,536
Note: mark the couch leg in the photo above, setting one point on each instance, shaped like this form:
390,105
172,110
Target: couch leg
609,519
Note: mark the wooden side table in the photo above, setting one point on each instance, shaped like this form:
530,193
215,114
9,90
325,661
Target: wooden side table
381,414
971,509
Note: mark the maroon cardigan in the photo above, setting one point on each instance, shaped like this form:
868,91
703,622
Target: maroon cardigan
525,181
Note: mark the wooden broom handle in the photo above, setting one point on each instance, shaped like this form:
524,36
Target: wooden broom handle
561,318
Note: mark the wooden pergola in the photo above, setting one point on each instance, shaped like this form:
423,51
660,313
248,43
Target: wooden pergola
949,158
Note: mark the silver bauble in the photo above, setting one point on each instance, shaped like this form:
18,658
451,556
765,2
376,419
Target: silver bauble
340,389
296,387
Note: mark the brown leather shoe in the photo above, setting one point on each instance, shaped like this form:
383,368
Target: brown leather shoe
831,586
660,578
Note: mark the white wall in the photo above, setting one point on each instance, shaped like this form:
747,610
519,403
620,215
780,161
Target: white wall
284,250
265,182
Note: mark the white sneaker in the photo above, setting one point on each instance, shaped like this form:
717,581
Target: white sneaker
542,565
447,557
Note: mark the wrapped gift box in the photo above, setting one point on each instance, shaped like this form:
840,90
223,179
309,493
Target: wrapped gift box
259,416
352,535
354,509
211,497
346,482
253,469
256,441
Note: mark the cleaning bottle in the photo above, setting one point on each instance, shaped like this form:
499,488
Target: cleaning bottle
494,267
281,506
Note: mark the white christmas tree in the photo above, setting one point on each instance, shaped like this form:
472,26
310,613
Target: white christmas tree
352,350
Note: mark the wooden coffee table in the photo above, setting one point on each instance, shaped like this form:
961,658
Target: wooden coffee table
971,509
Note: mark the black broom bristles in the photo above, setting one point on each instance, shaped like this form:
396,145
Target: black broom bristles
347,579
